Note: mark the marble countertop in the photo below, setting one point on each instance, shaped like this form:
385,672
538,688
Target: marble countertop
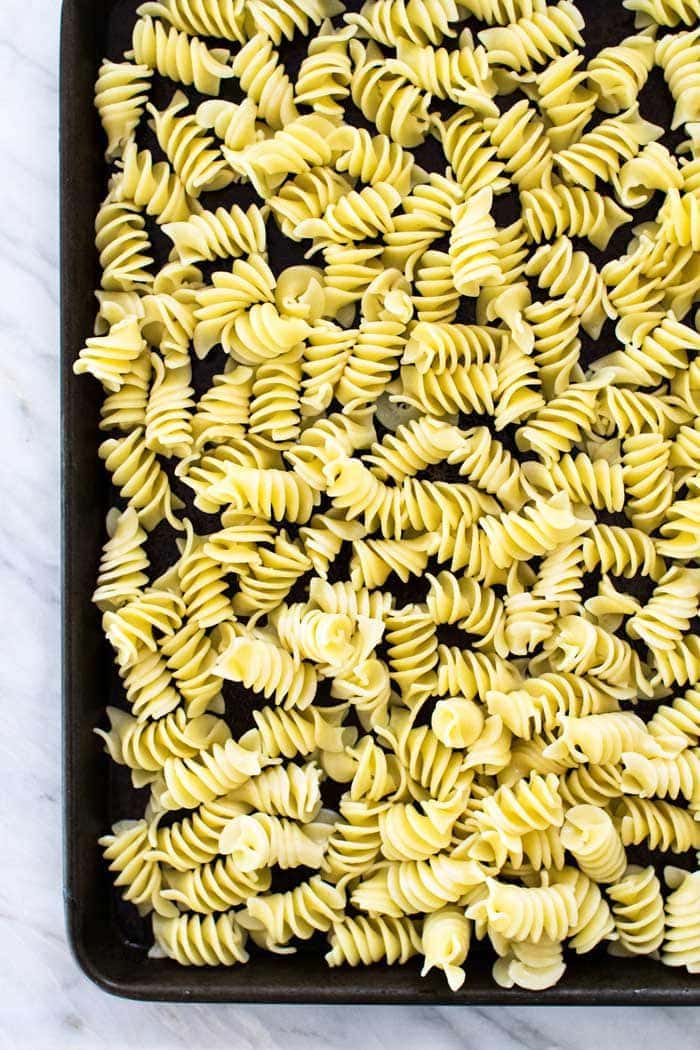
46,1002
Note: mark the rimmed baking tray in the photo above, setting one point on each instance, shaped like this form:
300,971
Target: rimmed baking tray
109,943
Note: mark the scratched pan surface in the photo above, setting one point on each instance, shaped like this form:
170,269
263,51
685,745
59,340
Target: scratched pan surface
109,940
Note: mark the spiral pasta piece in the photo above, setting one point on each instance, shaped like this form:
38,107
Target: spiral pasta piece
310,634
264,667
678,56
149,688
409,834
280,19
190,658
200,940
478,609
372,158
638,910
268,582
421,21
534,965
256,841
621,551
140,478
555,428
598,483
603,739
516,536
292,733
265,81
601,153
657,823
214,887
425,216
250,281
218,235
354,844
295,149
187,782
592,785
179,57
620,72
466,388
663,12
681,946
463,75
412,645
324,75
126,849
121,92
445,944
429,762
121,573
221,18
130,628
354,217
595,922
406,887
168,420
657,348
565,100
679,719
539,702
663,777
123,245
531,805
527,913
126,408
562,270
590,836
473,244
287,791
364,941
532,39
396,106
267,493
110,358
666,617
521,143
572,210
277,917
198,166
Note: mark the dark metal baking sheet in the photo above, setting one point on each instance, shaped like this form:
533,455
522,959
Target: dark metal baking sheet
107,940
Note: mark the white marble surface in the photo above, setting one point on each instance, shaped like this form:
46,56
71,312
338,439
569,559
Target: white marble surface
45,1001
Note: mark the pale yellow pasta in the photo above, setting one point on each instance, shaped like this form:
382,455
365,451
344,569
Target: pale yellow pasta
621,71
638,910
121,91
401,414
445,944
681,945
590,836
174,55
189,151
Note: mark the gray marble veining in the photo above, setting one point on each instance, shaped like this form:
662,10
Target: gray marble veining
45,1001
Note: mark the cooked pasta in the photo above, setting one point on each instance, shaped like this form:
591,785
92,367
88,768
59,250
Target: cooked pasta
226,18
638,910
681,946
189,151
401,417
174,55
121,92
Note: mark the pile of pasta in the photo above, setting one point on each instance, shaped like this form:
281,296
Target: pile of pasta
435,507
